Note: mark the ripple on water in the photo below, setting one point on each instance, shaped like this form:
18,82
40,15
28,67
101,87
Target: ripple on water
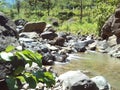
96,64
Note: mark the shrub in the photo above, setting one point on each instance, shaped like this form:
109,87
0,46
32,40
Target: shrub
18,75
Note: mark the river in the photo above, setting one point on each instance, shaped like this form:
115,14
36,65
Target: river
94,64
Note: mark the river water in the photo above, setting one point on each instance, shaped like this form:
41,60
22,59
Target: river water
94,63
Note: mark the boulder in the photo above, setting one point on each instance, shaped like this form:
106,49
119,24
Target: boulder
102,46
101,83
80,46
59,41
5,41
76,80
35,27
106,30
7,26
47,59
20,22
48,35
32,35
112,26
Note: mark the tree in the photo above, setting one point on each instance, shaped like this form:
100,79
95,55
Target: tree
18,6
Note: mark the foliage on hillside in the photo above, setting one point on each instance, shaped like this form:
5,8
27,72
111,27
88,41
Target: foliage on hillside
86,16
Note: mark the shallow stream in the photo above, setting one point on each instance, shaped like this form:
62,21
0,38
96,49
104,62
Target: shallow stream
94,64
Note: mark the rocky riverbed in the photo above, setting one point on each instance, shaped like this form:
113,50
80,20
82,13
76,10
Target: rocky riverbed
57,46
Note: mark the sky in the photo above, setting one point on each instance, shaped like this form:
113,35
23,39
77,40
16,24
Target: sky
10,1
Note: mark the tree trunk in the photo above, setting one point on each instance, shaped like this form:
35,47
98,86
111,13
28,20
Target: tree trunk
48,7
81,10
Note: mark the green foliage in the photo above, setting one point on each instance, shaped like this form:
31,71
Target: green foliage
18,60
93,12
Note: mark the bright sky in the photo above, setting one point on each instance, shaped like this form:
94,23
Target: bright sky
10,1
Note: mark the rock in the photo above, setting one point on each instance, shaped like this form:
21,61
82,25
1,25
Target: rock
7,26
101,83
76,80
92,46
80,46
50,28
60,57
112,40
106,30
31,35
117,13
115,51
112,26
102,46
19,29
47,59
35,27
54,21
3,85
20,22
59,41
6,41
48,35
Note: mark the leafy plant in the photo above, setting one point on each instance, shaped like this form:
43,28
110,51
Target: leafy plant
18,75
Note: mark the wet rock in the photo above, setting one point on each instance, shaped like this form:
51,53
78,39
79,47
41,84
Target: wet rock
47,59
76,80
115,51
102,46
80,46
60,57
101,83
35,27
7,26
92,46
48,35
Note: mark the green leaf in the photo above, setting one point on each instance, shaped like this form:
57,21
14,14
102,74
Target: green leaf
49,79
21,78
6,56
34,57
9,48
18,70
45,77
11,83
31,81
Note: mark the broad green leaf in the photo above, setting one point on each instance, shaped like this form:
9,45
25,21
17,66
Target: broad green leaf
31,81
18,70
11,83
6,56
21,55
9,48
21,78
34,57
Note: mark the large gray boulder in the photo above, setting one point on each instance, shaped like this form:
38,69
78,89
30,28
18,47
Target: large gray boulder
7,26
76,80
101,83
112,26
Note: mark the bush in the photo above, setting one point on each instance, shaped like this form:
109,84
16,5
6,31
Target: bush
18,76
